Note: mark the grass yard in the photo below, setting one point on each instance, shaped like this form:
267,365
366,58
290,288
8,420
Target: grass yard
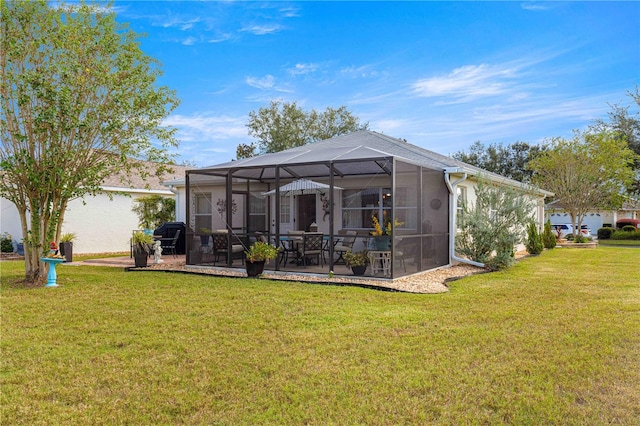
555,340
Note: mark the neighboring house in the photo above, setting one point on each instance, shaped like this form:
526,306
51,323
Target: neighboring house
101,224
594,219
365,174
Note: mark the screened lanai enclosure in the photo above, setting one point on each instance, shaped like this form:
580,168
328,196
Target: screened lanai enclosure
336,189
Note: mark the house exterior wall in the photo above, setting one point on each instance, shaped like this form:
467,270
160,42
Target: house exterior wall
101,225
10,220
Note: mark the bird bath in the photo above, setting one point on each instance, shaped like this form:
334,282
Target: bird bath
52,276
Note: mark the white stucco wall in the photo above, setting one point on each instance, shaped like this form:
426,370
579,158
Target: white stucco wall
10,220
101,225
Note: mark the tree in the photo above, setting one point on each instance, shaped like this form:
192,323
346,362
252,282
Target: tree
625,125
534,243
79,102
285,125
495,223
586,172
548,237
510,161
154,210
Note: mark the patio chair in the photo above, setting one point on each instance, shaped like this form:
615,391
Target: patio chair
345,245
311,246
220,248
290,245
170,243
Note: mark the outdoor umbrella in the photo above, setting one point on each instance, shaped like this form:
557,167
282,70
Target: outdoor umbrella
301,187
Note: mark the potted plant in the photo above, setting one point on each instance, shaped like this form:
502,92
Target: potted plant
66,246
142,245
357,261
259,253
205,233
382,234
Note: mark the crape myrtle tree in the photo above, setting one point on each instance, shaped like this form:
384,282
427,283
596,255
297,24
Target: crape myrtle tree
79,101
284,125
586,172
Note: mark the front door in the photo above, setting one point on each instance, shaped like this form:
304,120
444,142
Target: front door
306,211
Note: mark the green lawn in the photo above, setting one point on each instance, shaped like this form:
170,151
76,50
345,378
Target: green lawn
555,340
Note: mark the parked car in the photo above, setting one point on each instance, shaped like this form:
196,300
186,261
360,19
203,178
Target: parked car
564,229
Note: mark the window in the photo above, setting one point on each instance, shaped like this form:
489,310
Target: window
257,213
203,211
358,205
285,209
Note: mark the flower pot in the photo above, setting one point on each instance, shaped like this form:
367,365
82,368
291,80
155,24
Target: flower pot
140,257
382,242
66,249
359,270
254,268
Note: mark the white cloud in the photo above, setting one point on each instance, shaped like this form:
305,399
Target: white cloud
469,81
302,69
290,12
207,127
262,29
220,38
534,6
266,82
189,41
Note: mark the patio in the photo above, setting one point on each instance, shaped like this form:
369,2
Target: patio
333,187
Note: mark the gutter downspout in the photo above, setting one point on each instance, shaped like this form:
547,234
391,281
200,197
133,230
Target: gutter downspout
452,215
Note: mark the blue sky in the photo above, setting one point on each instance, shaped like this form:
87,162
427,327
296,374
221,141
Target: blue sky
439,74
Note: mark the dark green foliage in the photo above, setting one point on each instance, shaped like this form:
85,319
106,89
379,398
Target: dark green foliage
605,233
548,237
154,210
6,246
626,235
629,228
534,239
510,161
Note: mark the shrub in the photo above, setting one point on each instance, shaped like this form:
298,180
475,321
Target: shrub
549,239
569,237
502,260
534,239
628,228
624,235
496,223
605,233
6,245
580,239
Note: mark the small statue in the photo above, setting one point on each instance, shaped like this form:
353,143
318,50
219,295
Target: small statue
157,253
53,249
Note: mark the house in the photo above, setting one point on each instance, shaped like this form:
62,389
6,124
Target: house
343,183
596,218
102,223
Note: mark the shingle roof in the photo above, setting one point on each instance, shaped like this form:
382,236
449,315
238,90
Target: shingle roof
151,182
